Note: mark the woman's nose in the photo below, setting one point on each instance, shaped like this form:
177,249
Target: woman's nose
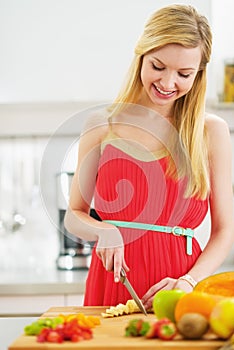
168,81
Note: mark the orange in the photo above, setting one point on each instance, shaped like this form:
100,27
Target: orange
195,302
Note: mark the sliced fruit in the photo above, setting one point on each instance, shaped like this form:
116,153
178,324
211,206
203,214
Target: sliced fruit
221,284
167,331
121,309
137,327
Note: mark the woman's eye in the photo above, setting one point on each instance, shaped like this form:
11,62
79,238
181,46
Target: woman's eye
184,75
156,67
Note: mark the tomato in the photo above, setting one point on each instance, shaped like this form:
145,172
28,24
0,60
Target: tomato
54,337
69,330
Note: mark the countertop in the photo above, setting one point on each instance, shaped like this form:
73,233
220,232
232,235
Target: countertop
11,328
50,281
110,334
42,281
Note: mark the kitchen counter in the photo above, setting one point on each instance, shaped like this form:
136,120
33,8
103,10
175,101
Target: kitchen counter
29,292
11,328
42,281
110,335
32,292
50,281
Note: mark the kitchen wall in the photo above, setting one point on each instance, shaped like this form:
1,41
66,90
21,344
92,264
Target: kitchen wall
60,59
55,50
223,43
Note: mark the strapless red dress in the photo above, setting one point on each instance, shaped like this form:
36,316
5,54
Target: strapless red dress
136,189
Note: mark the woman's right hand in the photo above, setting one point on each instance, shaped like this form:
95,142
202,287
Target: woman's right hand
113,260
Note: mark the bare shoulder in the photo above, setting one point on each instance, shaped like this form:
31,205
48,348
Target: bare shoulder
216,126
95,128
218,136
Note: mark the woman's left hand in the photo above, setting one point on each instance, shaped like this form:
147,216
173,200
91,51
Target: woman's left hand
166,284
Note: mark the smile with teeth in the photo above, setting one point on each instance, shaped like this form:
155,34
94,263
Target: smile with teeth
164,92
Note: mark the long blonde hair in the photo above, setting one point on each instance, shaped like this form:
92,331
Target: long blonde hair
183,25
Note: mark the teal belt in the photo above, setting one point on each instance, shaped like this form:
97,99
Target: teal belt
176,230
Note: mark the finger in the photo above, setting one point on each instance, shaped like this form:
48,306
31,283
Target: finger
154,289
109,259
99,253
125,266
148,305
150,293
118,259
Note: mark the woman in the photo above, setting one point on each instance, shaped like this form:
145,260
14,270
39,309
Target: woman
154,163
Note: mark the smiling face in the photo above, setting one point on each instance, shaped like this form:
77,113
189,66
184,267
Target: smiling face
167,74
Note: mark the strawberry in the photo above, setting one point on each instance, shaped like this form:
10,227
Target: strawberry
166,331
152,331
87,335
54,337
76,337
136,328
70,330
41,337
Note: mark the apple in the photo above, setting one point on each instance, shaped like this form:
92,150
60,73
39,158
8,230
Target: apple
222,318
165,301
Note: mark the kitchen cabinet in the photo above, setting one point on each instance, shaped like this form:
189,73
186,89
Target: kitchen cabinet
35,305
74,299
28,305
11,328
32,293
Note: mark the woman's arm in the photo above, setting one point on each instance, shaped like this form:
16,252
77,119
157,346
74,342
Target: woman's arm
77,219
221,200
221,211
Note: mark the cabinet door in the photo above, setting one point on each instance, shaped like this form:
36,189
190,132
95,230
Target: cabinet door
74,299
29,305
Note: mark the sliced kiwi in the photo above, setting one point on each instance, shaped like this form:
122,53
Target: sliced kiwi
192,325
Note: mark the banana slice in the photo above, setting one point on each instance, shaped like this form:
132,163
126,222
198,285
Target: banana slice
121,309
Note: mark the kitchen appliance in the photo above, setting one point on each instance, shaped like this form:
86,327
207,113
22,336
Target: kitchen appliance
74,253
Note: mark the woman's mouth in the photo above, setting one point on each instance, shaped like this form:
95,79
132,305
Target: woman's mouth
163,93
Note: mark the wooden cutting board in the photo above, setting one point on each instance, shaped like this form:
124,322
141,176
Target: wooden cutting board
110,335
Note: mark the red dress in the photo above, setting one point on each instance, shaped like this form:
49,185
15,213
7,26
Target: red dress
130,188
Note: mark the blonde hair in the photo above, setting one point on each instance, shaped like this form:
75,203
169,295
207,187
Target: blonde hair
183,25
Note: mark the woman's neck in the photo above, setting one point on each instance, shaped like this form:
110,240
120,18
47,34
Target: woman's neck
165,111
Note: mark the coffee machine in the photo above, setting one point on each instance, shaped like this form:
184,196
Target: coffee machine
74,253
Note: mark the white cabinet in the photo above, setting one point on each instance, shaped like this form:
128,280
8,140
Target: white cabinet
74,300
35,305
29,304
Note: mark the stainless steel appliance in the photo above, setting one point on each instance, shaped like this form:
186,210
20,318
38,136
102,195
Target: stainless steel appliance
74,253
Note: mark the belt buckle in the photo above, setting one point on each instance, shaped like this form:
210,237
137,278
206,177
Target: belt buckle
173,231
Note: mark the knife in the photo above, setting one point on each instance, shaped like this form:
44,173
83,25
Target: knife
127,284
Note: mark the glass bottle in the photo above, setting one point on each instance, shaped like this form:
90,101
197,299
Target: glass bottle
229,80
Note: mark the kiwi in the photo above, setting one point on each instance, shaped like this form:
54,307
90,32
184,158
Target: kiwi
192,325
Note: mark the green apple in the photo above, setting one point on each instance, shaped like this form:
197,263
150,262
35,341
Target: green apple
165,301
222,318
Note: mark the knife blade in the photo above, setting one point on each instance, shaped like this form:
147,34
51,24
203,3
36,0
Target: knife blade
124,280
